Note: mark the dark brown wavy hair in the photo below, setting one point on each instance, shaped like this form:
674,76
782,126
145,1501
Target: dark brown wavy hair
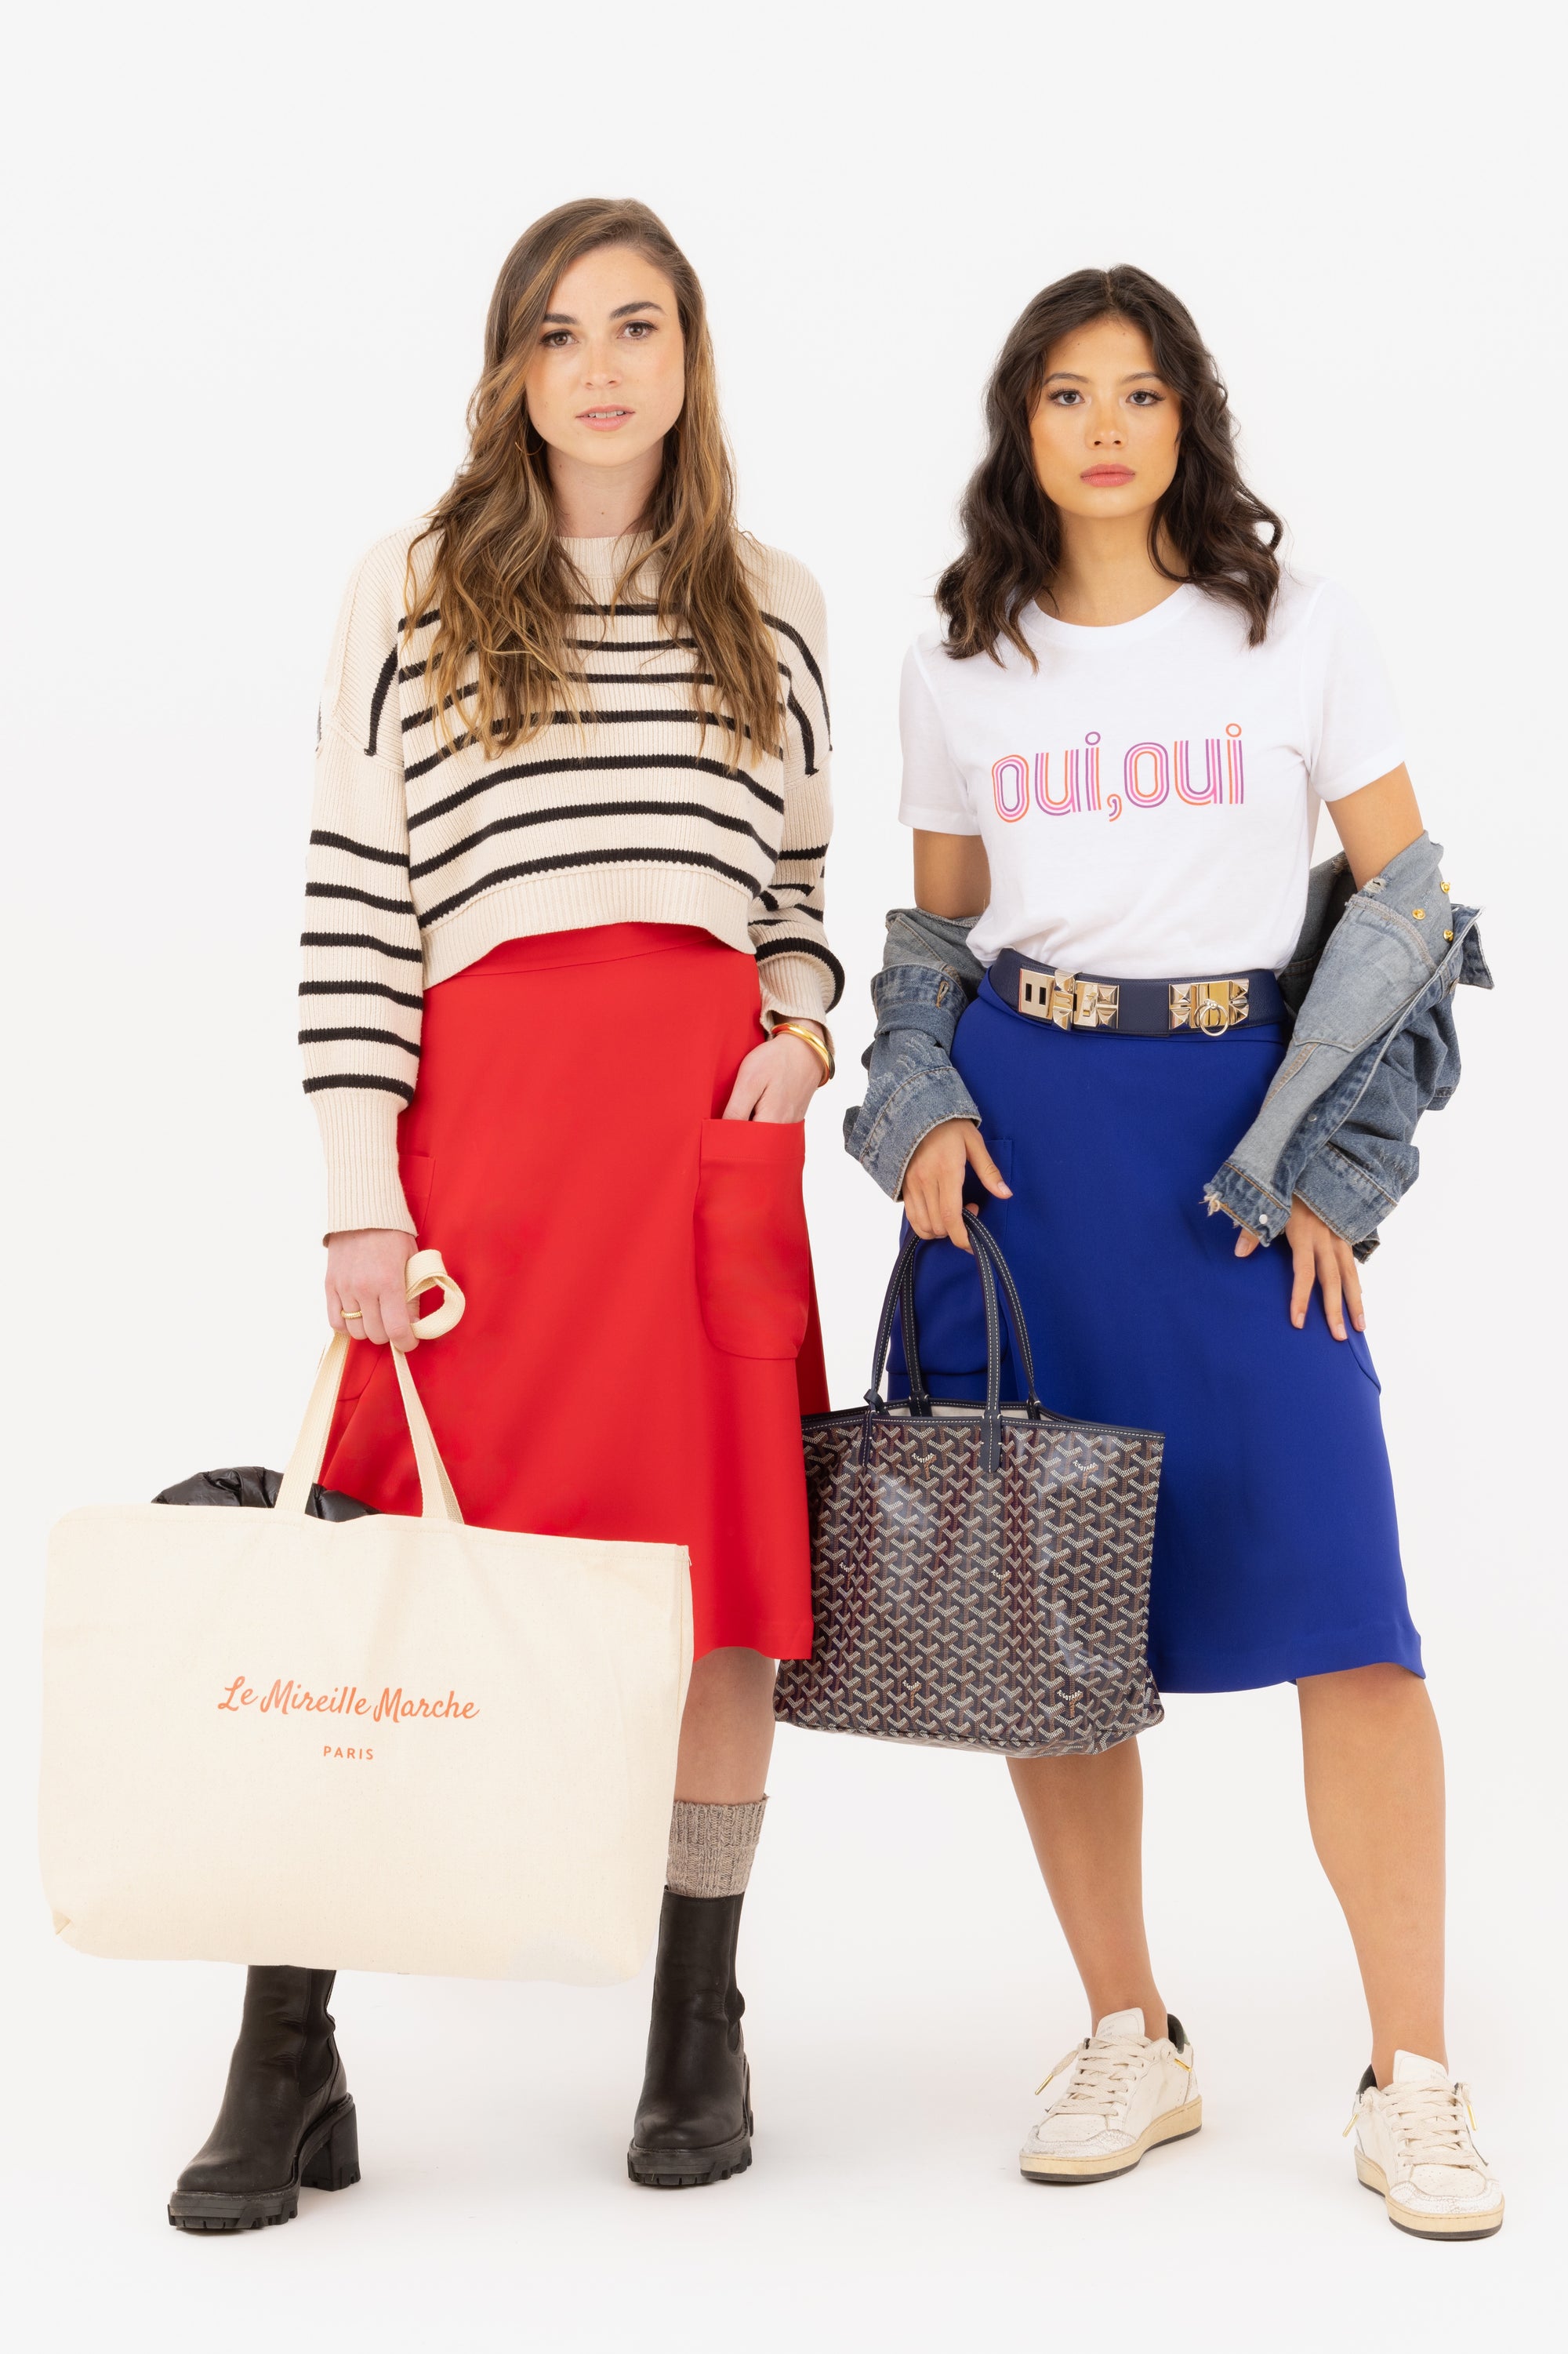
503,661
1223,536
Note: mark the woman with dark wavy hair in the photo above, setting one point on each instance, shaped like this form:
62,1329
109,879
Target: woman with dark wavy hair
565,978
1115,746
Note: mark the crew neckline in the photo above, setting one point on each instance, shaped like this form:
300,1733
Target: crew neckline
1086,636
607,548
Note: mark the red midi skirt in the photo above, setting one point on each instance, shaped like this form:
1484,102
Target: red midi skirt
640,1338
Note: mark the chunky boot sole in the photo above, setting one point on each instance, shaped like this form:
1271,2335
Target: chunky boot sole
1370,2177
1176,2125
690,2170
328,2159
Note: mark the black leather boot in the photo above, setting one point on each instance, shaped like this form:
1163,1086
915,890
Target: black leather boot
694,2121
287,2117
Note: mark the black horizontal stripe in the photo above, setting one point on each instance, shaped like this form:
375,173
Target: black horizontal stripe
433,760
785,915
361,989
371,1037
810,948
644,645
631,645
359,1080
388,671
642,678
600,763
591,717
417,768
423,718
360,941
691,715
423,623
360,898
574,813
323,841
572,719
808,741
793,634
570,858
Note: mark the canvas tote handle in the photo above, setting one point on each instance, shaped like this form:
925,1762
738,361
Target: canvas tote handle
424,1272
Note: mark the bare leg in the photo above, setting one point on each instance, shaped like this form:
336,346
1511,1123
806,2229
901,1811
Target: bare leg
1373,1765
726,1734
1086,1818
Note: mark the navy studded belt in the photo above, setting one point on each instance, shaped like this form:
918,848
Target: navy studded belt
1137,1009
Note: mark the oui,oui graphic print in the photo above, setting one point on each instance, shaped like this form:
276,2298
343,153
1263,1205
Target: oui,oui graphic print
1095,780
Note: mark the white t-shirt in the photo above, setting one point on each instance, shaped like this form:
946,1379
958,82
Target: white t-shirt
1148,796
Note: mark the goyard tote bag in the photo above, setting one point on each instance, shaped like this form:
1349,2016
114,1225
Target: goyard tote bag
376,1743
980,1574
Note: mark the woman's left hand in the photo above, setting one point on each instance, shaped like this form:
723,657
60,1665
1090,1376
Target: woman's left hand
776,1080
1320,1257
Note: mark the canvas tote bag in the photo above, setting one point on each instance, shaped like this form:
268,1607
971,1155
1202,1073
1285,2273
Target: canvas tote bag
381,1743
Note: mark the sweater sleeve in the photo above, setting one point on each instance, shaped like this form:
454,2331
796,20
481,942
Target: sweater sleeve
799,973
363,993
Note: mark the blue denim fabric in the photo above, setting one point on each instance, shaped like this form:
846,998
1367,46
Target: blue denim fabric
927,981
1370,982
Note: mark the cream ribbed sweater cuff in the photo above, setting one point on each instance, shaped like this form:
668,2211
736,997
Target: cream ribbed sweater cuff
359,1132
795,988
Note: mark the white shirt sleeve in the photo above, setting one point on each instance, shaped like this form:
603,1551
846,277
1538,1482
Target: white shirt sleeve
934,798
1353,733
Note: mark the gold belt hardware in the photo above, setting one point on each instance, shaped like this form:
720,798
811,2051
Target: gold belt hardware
1069,1003
1211,1006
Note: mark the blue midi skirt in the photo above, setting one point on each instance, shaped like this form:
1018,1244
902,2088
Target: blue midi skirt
1276,1545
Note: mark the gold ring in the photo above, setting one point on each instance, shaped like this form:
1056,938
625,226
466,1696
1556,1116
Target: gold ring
352,1311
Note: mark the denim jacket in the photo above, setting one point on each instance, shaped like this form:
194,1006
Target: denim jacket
1369,984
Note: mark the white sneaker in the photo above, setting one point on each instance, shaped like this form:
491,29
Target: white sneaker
1126,2092
1413,2145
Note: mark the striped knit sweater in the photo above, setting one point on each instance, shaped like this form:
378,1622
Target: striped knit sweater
423,859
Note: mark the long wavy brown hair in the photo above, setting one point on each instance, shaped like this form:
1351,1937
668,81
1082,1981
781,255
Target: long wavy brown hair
502,666
1222,536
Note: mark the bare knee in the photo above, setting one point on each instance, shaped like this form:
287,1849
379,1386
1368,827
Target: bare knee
1375,1702
722,1677
1383,1681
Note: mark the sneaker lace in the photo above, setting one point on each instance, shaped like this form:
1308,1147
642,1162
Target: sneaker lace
1102,2067
1431,2120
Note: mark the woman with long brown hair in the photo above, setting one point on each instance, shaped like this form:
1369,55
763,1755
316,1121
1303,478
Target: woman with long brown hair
1115,743
566,977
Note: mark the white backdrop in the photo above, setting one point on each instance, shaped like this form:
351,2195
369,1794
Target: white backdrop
249,255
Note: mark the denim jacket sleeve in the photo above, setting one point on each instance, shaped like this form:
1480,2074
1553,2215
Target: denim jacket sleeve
1374,1046
928,978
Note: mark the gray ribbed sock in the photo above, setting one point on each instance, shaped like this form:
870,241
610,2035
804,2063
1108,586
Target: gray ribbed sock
711,1848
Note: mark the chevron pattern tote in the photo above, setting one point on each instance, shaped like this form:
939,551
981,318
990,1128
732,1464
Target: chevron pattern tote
980,1572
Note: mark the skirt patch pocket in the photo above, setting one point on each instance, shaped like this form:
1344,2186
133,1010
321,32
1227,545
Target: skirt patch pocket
754,1262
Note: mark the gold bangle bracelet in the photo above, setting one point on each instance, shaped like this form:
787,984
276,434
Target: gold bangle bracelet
798,1030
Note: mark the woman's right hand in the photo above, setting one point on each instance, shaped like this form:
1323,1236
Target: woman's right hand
365,1270
934,1180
